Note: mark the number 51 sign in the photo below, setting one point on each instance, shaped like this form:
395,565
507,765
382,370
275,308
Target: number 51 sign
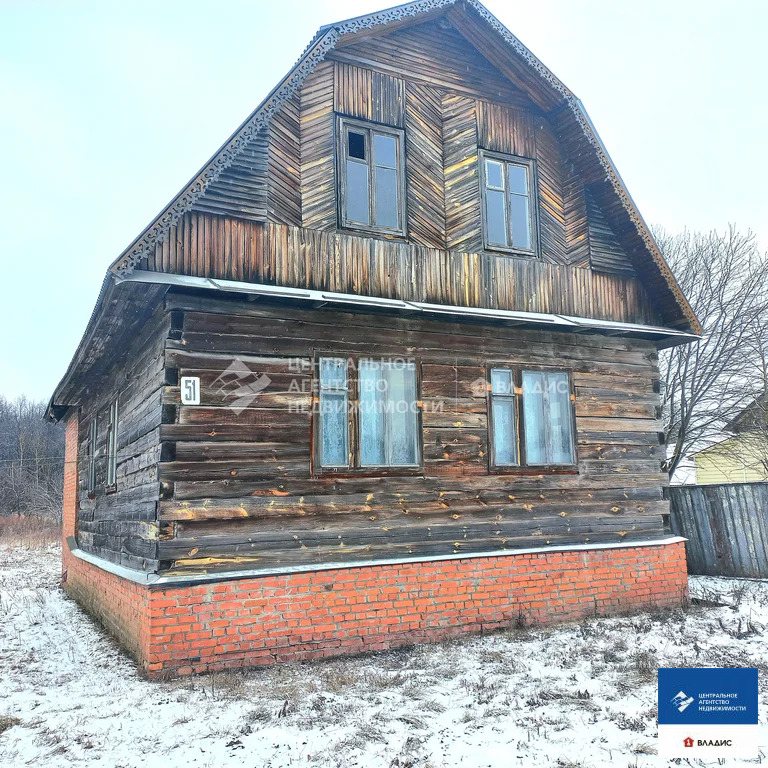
190,390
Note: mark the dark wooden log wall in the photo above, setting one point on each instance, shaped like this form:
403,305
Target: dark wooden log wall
240,492
121,526
304,258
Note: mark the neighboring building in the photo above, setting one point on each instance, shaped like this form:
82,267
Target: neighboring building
384,371
738,459
742,455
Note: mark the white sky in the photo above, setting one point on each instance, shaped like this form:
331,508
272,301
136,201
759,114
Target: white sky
107,109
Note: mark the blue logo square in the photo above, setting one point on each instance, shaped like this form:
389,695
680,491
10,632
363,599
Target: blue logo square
707,696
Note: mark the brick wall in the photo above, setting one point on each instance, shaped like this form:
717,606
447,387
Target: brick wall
69,502
252,621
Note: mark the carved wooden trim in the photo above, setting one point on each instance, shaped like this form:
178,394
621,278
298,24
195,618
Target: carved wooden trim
316,52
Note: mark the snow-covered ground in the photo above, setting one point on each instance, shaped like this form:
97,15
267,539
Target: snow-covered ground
580,695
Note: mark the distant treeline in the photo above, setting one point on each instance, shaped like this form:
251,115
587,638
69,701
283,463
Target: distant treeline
31,460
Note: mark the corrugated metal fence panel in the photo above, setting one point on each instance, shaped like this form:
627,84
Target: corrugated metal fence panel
726,527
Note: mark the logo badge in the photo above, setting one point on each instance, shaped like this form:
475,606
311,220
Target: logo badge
708,713
682,701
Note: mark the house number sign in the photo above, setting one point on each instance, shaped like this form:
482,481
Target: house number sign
190,390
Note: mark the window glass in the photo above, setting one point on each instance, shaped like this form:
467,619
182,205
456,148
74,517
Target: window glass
385,150
358,207
508,212
386,198
356,145
534,417
333,413
92,438
494,174
521,221
504,426
518,179
333,373
561,425
547,414
495,217
371,415
388,414
371,178
112,444
501,381
504,432
404,418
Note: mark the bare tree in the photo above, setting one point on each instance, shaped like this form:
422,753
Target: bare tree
708,383
31,460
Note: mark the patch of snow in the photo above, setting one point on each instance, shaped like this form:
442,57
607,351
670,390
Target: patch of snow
576,695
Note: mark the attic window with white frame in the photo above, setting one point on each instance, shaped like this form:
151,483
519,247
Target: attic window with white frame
371,177
509,203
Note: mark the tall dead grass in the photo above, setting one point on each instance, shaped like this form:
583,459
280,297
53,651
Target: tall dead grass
29,531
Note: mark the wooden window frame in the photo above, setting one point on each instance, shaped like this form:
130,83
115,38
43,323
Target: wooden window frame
368,127
112,434
515,397
522,467
355,469
336,390
533,203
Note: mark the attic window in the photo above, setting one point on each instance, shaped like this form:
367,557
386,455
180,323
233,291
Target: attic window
509,203
371,194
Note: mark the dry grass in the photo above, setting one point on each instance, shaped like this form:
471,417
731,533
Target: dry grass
29,532
6,722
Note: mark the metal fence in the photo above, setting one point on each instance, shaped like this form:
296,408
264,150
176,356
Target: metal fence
726,527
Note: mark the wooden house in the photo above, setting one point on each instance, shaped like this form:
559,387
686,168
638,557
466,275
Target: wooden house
384,371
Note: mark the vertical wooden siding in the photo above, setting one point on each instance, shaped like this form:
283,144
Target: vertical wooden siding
451,101
331,261
369,95
726,527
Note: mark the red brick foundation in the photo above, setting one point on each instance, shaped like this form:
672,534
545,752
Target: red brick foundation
261,620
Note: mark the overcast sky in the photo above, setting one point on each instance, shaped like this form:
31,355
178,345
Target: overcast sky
107,109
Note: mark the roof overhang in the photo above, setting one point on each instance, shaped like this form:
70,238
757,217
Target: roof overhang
664,337
113,322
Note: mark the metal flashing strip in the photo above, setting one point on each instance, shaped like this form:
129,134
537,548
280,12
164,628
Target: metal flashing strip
561,322
154,580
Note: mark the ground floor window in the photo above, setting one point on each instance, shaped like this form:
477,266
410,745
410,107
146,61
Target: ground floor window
531,418
368,414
